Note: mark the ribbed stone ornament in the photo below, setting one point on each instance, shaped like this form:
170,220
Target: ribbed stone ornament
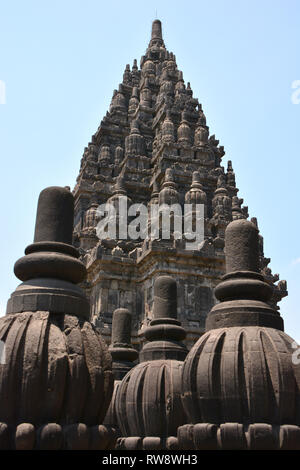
240,388
56,383
148,402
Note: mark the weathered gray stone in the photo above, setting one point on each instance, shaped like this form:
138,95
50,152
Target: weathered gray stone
147,402
57,381
154,145
240,388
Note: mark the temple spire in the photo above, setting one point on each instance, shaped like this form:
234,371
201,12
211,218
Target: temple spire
156,34
155,124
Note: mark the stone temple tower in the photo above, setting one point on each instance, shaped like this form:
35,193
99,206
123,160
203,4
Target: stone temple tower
154,146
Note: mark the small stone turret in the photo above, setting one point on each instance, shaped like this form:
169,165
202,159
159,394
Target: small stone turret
118,102
184,130
197,199
127,75
169,196
56,383
156,34
123,355
148,403
119,154
91,218
240,386
134,101
134,142
148,69
237,212
104,154
221,204
146,94
168,129
196,194
169,193
230,176
201,135
180,86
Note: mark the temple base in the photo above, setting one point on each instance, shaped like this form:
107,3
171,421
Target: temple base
236,436
147,443
53,436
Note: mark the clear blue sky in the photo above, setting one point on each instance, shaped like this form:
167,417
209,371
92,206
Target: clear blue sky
61,60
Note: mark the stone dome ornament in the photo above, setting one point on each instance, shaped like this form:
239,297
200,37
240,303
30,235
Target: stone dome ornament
134,142
196,197
201,136
118,102
148,68
127,75
168,129
180,86
196,194
122,352
184,130
104,153
91,218
156,35
240,388
56,383
119,155
222,208
168,194
230,175
146,94
148,402
237,212
134,101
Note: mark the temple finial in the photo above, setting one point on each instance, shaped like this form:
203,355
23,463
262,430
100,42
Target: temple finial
156,30
148,399
122,352
165,332
156,34
57,382
54,220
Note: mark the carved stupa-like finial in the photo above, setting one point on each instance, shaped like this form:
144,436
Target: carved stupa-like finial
122,352
123,355
196,194
154,385
156,32
165,332
246,352
56,383
169,194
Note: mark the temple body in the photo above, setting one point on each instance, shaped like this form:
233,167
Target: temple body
155,124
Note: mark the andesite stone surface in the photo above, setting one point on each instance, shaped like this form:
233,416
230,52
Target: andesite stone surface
240,387
123,356
154,145
148,399
56,382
